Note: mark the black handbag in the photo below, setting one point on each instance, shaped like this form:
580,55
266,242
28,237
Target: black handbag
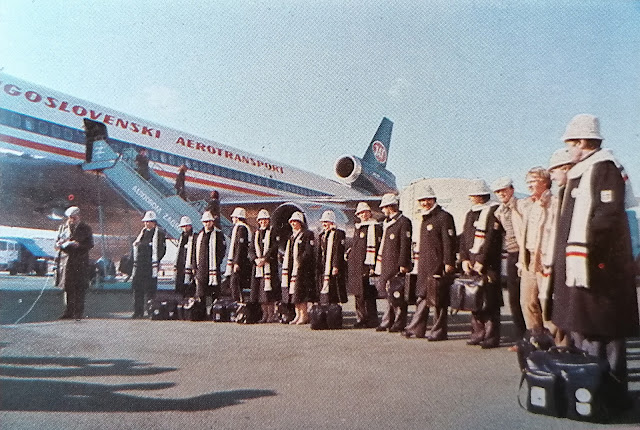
466,293
395,289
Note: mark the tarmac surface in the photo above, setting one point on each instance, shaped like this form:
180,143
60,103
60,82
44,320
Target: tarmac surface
111,372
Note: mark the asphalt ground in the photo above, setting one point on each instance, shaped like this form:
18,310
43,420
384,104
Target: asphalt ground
111,372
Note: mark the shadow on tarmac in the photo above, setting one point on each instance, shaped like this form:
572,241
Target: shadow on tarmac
33,394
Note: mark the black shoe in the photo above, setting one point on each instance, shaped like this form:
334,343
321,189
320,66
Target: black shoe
381,328
489,344
474,342
407,334
396,329
437,338
137,316
361,324
371,324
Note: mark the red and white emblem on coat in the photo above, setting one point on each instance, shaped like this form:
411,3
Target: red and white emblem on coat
379,151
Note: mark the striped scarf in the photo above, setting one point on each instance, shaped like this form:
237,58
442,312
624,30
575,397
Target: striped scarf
234,233
188,267
264,271
385,225
328,257
154,253
291,278
370,255
481,226
213,259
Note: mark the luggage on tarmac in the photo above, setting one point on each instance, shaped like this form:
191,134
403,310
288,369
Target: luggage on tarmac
568,382
466,293
326,317
164,306
286,313
191,309
248,313
224,310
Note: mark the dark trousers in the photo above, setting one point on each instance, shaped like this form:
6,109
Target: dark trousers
143,286
366,308
485,326
418,325
395,317
614,350
513,288
74,302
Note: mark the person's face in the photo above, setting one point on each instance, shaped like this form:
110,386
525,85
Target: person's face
149,225
476,200
187,228
576,149
559,174
326,225
263,223
504,194
364,216
296,225
208,225
536,185
427,204
73,219
235,220
387,211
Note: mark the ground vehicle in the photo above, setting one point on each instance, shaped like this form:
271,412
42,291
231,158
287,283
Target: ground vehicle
22,255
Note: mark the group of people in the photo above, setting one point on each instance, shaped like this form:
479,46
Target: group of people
569,270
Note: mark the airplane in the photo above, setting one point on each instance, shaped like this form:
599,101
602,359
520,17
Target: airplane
42,145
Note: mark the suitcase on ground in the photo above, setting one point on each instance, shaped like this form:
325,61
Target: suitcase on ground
286,313
318,318
396,290
466,293
567,382
334,316
224,310
248,313
191,309
163,307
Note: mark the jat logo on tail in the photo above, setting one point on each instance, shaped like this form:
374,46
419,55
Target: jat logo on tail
379,151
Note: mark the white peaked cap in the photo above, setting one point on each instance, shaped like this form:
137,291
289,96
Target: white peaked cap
479,188
426,192
329,216
583,126
388,200
560,157
263,214
184,221
362,207
501,183
297,216
239,213
207,216
149,216
73,210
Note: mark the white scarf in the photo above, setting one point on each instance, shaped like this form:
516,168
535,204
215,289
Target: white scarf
328,257
213,259
370,255
416,244
234,233
188,267
385,225
154,253
290,279
481,225
577,253
264,271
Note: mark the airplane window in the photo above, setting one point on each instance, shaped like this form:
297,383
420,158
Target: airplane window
55,130
68,134
43,127
29,124
16,120
3,246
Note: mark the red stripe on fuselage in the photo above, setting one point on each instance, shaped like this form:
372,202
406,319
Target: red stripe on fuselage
80,156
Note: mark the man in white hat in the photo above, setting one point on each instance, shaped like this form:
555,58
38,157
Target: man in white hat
436,265
394,258
183,269
265,284
298,269
595,299
509,213
361,263
331,266
238,264
210,247
481,255
73,243
148,249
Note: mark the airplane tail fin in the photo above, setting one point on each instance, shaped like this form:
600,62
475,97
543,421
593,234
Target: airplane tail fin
378,151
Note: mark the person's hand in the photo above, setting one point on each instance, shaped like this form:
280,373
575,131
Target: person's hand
477,267
448,268
236,268
334,271
403,270
466,267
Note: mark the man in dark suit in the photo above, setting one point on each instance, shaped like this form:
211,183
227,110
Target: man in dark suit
331,266
394,258
183,272
436,263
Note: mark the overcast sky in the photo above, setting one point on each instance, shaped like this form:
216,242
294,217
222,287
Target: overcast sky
475,88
